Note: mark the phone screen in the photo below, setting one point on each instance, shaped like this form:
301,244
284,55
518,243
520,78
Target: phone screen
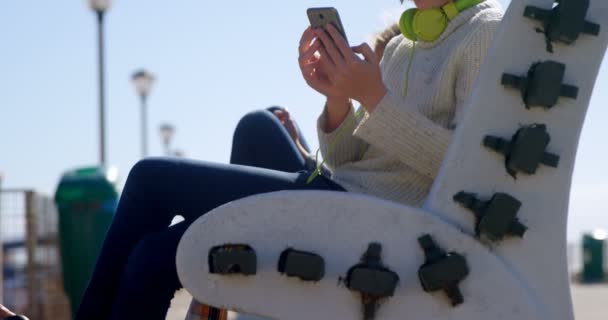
319,17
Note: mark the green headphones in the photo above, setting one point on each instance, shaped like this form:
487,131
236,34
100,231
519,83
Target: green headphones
428,25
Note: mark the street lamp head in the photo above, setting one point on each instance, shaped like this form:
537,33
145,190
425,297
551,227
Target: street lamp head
166,133
99,5
143,80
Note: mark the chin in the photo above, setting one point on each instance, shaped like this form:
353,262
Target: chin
422,4
428,4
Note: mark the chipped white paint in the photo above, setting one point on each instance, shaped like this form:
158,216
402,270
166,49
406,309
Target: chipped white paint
539,260
339,226
518,279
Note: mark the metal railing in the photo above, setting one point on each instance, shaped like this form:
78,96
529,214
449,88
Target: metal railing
32,265
1,252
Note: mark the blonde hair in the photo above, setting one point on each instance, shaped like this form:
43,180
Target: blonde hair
383,38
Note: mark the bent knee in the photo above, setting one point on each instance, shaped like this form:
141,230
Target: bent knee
254,121
149,167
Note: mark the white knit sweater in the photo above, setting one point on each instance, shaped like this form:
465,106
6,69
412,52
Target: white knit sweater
396,151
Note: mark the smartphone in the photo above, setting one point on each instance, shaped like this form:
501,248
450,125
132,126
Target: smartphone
319,17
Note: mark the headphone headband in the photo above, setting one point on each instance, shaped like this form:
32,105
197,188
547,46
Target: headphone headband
429,24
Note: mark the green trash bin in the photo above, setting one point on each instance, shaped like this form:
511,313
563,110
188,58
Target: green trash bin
86,199
593,257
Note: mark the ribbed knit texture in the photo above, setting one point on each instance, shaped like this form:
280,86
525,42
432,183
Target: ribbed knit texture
396,151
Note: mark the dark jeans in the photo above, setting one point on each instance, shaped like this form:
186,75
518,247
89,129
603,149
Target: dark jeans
135,276
261,141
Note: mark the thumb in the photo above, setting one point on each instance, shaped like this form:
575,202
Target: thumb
367,52
279,114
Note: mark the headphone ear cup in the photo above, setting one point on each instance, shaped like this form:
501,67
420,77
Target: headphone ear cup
429,24
406,24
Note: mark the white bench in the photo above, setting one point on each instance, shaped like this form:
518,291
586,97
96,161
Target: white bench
517,278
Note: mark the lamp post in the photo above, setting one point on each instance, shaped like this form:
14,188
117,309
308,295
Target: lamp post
166,134
143,80
100,7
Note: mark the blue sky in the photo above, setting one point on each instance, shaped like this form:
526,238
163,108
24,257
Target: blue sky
215,61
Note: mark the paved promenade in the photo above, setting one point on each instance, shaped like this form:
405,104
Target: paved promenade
590,302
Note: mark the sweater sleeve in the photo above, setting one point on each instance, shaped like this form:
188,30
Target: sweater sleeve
412,137
340,146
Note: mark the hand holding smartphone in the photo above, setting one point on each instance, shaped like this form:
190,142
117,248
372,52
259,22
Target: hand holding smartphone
339,70
320,17
326,61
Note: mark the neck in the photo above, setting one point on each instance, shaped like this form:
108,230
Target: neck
428,4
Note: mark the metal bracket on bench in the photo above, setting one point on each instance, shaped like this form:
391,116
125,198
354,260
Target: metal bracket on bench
373,280
17,317
442,271
304,265
543,85
233,259
565,22
526,150
496,218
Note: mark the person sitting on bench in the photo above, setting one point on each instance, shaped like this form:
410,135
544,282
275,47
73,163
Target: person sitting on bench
391,148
